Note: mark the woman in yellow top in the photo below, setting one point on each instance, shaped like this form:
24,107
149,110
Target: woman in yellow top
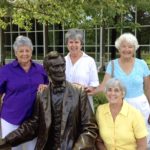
121,126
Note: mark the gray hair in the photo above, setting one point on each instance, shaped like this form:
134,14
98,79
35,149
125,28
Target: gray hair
112,83
74,34
128,37
21,41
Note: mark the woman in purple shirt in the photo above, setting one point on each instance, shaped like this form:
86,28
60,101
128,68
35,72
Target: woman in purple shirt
19,81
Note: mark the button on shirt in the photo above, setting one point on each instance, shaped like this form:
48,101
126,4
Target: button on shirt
20,89
122,133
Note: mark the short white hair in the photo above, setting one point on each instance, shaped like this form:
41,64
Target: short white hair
22,40
75,34
112,83
129,38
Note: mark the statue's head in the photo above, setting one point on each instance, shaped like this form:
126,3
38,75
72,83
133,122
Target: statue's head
54,64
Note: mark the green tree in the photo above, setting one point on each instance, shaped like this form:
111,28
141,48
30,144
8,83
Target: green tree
47,11
70,13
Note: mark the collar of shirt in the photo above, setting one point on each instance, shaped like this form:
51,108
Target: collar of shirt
124,109
15,63
84,55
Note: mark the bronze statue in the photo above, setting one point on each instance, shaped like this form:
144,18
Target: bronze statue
62,118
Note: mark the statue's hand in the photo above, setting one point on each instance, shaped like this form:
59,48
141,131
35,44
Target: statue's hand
4,145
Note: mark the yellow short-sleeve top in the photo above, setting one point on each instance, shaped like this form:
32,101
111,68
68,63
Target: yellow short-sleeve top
122,133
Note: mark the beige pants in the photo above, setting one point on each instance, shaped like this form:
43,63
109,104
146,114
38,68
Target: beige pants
7,127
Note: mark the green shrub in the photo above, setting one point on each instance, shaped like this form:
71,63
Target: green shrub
99,99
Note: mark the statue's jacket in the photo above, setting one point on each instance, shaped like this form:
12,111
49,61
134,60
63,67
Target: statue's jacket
78,125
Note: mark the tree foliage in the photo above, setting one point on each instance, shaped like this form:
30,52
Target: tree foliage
70,13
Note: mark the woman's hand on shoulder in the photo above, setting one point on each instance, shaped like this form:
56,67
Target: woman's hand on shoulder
89,90
93,90
42,87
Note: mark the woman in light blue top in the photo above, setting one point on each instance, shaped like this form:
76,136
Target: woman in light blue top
133,72
134,80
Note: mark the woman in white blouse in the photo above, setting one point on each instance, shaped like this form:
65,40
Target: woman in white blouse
80,68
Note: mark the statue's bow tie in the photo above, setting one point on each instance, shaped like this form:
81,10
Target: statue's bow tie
58,89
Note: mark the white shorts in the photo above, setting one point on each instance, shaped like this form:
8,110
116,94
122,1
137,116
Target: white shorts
142,104
7,127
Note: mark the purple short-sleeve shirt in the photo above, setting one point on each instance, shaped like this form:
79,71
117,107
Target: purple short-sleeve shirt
20,90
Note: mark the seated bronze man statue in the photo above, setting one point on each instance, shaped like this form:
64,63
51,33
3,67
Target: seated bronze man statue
62,118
